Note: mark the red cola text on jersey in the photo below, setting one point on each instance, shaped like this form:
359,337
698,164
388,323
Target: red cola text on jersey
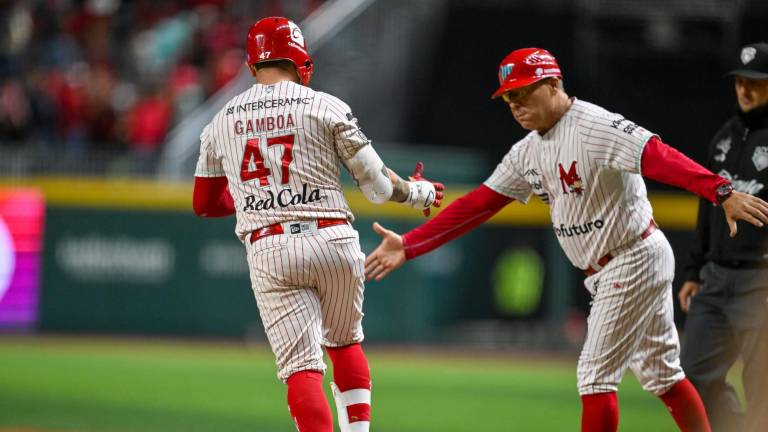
283,199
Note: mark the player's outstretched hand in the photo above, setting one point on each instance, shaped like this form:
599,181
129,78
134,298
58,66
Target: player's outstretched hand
741,206
689,289
418,175
388,256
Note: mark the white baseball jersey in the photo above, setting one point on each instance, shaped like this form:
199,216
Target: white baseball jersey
280,147
587,168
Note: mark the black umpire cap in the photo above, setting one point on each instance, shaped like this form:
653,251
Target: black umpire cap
753,61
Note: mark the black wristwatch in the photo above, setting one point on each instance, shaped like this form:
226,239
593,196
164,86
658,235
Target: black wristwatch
723,192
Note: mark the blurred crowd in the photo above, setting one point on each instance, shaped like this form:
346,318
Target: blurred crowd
85,76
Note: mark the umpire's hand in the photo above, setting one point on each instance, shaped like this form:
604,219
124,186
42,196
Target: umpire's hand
689,289
388,256
741,206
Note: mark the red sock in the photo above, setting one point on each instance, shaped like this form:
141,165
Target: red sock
685,405
599,412
307,403
351,372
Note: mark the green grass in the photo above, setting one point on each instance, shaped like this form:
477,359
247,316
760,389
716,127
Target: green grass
117,385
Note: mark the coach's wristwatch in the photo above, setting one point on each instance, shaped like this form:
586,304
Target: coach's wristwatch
723,192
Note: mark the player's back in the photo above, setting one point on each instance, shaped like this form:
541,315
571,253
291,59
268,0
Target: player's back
280,147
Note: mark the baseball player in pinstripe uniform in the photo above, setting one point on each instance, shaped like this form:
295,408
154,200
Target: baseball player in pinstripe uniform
271,156
586,164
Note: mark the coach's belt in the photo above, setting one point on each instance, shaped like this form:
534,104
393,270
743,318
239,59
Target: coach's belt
589,271
294,227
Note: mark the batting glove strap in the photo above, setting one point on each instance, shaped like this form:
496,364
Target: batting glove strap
421,194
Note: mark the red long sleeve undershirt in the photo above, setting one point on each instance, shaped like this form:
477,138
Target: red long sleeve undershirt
659,162
211,198
460,217
665,164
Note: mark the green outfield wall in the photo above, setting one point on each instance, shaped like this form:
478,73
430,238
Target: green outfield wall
129,257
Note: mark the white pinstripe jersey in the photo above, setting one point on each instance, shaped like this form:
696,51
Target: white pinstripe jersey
280,147
587,168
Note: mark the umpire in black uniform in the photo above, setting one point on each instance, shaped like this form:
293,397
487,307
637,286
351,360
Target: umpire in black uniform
727,280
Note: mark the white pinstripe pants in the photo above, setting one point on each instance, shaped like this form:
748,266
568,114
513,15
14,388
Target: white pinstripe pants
309,290
631,322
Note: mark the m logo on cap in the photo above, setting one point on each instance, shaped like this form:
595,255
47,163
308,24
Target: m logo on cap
748,54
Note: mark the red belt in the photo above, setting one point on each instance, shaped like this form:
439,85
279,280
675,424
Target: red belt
278,228
589,271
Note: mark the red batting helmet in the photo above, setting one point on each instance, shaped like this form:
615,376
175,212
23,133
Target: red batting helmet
525,66
278,38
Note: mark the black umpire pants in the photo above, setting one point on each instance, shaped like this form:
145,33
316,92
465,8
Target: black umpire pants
727,319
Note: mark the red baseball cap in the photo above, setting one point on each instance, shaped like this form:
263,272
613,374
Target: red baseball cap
525,66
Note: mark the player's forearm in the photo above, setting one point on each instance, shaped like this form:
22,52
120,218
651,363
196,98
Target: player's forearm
371,176
400,188
211,198
225,206
665,164
460,217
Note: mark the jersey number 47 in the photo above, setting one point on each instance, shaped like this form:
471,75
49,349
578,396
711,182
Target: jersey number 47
253,154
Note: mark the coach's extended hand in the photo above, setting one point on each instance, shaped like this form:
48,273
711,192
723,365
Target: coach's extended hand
741,206
388,256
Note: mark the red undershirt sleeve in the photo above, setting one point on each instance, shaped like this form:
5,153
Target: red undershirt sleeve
665,164
211,198
460,217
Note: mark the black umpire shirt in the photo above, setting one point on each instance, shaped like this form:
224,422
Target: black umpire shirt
738,152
